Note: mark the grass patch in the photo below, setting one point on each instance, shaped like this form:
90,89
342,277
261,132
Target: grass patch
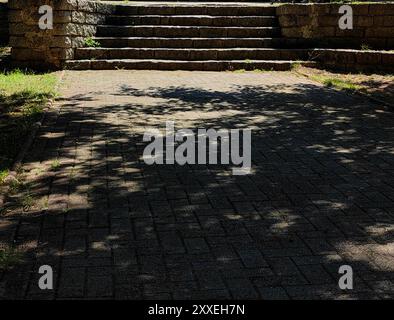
23,97
55,165
3,175
9,257
337,83
341,84
26,201
259,70
295,66
91,43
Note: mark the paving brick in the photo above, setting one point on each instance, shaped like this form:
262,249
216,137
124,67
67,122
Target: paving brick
183,232
242,289
196,245
273,293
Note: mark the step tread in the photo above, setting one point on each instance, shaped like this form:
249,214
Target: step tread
205,65
193,61
195,49
189,16
183,38
198,4
180,27
216,9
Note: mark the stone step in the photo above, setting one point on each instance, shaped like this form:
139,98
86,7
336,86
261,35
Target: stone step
191,54
210,65
196,20
159,42
196,9
186,31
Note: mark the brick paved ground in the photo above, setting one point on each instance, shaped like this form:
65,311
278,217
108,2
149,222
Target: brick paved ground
321,193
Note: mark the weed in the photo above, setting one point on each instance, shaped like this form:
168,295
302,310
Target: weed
9,257
91,43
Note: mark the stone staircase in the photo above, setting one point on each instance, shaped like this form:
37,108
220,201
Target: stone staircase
186,36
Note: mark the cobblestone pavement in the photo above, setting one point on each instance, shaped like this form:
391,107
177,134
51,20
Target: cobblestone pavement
320,195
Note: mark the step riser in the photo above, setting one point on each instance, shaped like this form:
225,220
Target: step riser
205,32
177,65
192,37
191,43
195,21
190,55
197,10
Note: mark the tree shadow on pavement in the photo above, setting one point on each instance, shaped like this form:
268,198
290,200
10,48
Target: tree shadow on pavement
320,195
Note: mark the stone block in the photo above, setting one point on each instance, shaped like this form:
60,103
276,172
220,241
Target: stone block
292,32
66,5
304,20
320,9
380,8
78,17
380,32
24,54
73,29
77,42
14,16
62,54
360,9
104,9
288,21
17,42
62,16
61,42
322,32
350,33
94,18
78,65
369,58
327,21
21,29
87,6
363,21
294,9
383,21
375,43
388,58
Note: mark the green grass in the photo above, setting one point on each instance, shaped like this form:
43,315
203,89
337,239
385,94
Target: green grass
18,81
9,257
341,84
337,83
91,43
23,97
3,175
55,165
26,201
365,47
295,66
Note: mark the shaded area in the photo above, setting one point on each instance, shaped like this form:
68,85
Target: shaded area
22,100
379,86
320,195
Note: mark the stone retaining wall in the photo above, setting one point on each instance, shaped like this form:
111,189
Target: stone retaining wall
74,21
318,25
354,60
3,23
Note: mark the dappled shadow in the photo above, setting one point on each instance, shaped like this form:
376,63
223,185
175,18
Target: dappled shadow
18,113
320,195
